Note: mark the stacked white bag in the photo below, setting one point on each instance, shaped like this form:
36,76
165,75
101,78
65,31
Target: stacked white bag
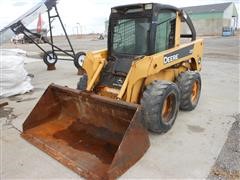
14,78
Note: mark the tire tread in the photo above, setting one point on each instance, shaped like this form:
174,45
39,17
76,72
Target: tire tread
184,82
151,101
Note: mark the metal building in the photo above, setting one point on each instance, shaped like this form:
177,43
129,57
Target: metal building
212,19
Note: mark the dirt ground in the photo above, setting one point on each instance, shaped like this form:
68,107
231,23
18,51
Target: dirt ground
202,144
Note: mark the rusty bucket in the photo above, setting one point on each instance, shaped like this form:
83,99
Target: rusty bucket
97,137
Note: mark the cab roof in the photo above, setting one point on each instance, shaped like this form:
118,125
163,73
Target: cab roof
155,7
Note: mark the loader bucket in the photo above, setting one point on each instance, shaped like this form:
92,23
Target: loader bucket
97,137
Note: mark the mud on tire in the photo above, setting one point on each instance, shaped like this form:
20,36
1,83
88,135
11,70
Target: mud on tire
160,106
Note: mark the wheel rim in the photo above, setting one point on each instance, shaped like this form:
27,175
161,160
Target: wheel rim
167,110
50,58
81,60
195,91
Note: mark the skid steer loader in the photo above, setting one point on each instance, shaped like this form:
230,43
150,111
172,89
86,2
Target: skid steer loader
139,83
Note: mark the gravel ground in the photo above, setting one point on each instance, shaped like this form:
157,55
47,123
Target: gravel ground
227,165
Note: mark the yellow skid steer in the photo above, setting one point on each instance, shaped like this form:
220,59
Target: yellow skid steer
99,130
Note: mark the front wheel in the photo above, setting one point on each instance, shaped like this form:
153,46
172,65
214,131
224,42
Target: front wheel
160,105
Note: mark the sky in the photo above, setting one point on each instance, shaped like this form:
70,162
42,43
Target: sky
84,16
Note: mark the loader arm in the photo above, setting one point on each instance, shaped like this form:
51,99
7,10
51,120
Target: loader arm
93,65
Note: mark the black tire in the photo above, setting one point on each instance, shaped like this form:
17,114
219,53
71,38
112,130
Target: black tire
50,58
82,83
78,59
156,96
189,84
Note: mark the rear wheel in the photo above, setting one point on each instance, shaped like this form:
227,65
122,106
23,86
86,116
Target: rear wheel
189,84
50,58
160,105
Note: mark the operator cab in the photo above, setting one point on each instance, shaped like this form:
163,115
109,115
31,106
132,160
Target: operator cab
136,31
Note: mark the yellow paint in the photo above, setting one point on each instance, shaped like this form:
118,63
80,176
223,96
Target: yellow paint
93,64
178,30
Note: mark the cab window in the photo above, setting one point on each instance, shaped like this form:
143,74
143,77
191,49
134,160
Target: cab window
165,32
